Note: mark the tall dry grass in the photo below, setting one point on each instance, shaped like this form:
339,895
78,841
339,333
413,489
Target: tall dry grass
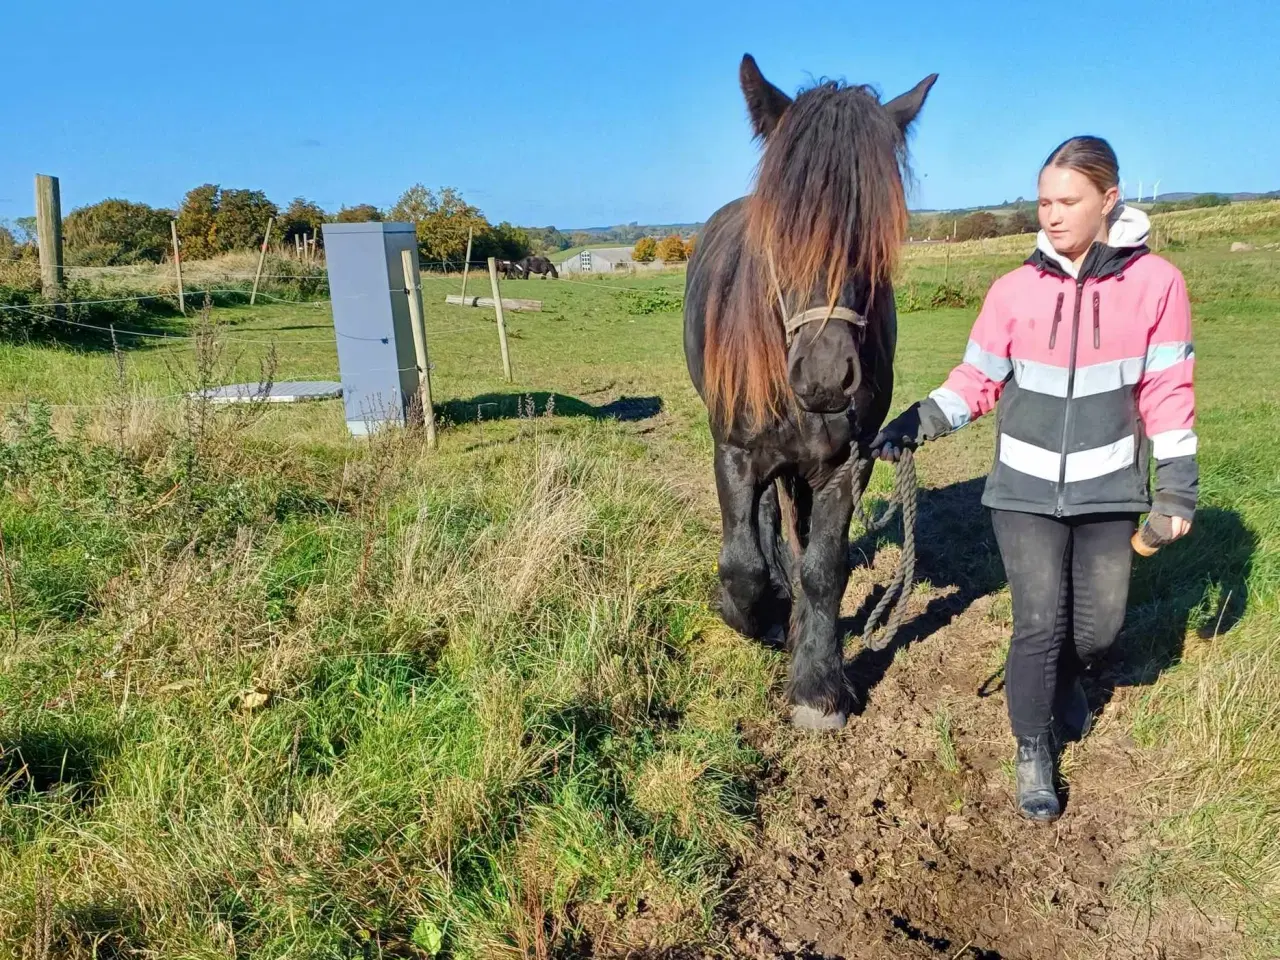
271,706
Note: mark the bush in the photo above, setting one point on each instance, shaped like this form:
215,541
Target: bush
8,244
1022,220
241,218
300,218
643,302
977,226
645,250
916,297
360,213
116,232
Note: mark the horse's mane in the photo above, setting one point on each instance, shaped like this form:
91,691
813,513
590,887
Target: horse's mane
828,207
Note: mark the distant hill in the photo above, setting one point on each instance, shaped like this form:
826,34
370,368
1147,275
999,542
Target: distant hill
626,234
1164,198
641,229
1233,197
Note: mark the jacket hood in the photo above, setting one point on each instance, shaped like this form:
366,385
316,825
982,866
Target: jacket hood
1126,242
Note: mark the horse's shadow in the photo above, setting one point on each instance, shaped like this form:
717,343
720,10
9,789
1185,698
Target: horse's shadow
1195,584
512,406
955,547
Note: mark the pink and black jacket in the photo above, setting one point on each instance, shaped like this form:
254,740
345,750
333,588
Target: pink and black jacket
1091,374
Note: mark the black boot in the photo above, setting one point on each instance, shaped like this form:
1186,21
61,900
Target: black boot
1037,787
1071,711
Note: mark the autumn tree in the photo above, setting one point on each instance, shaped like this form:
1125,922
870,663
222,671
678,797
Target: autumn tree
670,249
645,250
212,220
196,219
688,247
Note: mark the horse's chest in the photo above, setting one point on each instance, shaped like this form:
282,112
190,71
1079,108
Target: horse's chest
812,448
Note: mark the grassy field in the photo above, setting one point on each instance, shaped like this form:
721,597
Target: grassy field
268,692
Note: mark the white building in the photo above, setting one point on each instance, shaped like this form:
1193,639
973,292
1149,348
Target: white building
606,260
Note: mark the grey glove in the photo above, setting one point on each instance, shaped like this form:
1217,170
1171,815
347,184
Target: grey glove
921,421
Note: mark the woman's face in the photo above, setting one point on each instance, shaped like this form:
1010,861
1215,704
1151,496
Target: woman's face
1073,212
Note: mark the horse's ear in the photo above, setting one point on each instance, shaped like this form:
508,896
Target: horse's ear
765,102
903,109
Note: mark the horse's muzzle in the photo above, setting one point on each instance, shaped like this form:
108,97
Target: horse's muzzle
824,383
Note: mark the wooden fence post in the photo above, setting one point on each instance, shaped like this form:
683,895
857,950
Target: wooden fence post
413,287
466,264
502,325
49,233
177,266
262,256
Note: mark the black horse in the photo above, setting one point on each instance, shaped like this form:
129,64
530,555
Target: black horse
539,265
510,269
789,336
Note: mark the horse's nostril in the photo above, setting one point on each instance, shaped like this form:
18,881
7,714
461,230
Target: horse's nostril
850,375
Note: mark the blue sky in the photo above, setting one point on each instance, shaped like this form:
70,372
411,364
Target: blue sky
589,113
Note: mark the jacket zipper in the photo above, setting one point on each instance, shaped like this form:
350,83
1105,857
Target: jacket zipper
1071,386
1057,319
1097,323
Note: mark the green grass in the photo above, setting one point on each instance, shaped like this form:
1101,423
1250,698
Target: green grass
313,697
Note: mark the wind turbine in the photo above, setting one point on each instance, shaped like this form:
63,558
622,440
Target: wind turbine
1139,191
1155,191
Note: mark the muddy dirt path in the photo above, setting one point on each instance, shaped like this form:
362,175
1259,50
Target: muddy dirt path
897,838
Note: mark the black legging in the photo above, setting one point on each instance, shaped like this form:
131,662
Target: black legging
1068,577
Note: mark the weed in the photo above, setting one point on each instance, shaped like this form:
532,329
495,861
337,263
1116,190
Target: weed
946,749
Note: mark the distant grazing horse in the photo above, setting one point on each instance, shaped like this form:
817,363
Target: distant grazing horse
539,265
789,337
509,269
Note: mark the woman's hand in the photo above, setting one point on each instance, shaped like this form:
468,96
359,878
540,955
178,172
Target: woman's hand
903,432
1164,529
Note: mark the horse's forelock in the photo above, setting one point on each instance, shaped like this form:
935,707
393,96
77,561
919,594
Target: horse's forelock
829,203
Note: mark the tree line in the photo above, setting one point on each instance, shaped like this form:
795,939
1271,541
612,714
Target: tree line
213,220
1019,217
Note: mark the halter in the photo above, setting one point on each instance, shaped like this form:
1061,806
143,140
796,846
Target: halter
792,322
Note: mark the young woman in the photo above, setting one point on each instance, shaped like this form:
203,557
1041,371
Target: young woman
1086,351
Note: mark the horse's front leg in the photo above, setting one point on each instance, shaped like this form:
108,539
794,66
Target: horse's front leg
816,684
748,600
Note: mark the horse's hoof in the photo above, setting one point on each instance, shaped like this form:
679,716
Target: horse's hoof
811,718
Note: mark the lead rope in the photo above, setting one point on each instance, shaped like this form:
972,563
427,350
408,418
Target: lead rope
904,496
